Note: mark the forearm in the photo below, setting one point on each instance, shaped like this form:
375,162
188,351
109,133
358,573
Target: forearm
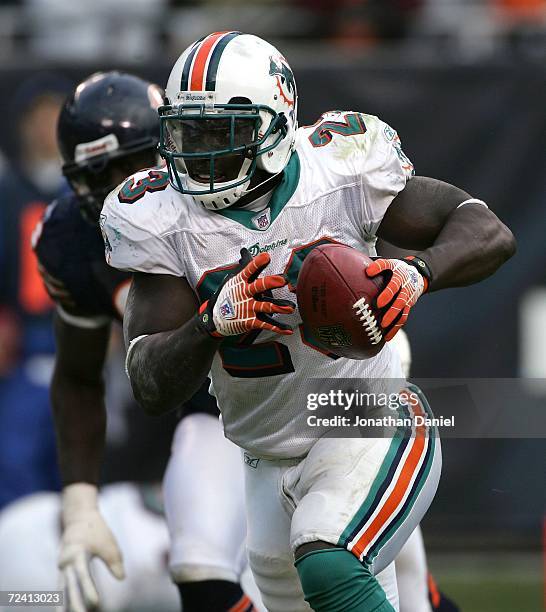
166,369
472,244
80,423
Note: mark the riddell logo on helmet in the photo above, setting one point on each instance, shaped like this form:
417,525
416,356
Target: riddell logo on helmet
197,96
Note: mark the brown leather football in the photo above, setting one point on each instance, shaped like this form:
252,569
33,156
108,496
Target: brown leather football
336,301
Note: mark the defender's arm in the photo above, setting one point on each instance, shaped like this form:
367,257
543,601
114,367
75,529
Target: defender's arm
461,245
77,395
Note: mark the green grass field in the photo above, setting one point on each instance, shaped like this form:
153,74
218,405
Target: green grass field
496,582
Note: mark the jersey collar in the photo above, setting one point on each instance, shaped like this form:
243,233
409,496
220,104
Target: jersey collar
280,196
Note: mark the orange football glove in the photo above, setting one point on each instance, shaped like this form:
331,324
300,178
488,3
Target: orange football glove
406,285
244,302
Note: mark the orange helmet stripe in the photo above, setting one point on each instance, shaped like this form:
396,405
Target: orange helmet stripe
200,62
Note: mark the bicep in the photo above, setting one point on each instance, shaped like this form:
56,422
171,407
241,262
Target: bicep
417,214
157,303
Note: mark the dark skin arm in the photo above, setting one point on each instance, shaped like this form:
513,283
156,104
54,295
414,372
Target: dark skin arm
460,245
77,396
169,366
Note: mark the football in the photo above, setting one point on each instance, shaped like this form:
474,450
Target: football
336,301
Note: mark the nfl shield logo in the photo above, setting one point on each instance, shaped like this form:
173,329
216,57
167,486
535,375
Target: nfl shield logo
262,220
226,309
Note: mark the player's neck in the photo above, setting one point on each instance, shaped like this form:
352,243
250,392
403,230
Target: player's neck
257,198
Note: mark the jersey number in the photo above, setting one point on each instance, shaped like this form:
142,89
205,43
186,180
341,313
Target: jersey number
353,124
242,356
131,191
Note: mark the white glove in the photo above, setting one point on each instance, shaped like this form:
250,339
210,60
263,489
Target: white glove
85,535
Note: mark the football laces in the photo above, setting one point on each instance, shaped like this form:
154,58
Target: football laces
368,320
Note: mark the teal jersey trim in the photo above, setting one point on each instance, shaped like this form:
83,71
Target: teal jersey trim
283,192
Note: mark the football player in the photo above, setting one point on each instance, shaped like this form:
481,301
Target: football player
245,190
108,129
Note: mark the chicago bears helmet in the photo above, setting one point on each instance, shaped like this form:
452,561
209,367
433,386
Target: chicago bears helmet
109,121
231,109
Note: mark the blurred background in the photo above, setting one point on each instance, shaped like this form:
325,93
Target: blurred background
464,84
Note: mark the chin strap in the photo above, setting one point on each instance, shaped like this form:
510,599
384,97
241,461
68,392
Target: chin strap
259,190
281,123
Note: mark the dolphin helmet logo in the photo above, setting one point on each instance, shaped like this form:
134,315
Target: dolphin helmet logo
285,79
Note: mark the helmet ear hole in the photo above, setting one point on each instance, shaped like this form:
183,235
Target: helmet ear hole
281,124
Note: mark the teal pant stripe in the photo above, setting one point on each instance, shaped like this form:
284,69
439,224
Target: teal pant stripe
410,502
395,452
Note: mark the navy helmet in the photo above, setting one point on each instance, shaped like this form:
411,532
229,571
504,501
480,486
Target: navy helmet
108,123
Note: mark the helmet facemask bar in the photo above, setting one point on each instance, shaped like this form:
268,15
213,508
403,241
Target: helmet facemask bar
226,155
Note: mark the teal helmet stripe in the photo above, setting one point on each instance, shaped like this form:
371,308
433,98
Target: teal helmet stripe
215,60
184,82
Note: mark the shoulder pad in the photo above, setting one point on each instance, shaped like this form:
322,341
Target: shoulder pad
70,253
137,221
335,126
351,143
139,184
146,202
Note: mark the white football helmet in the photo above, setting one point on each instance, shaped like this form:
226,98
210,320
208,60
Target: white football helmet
231,108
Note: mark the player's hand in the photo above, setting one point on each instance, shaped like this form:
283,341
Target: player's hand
404,288
85,535
244,302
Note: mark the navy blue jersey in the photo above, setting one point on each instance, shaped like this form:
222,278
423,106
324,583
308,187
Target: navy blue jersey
70,250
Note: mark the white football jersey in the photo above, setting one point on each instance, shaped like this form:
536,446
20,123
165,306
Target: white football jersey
344,173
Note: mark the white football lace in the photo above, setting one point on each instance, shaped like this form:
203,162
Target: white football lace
369,322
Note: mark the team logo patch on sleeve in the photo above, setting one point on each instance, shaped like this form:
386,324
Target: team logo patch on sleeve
107,245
